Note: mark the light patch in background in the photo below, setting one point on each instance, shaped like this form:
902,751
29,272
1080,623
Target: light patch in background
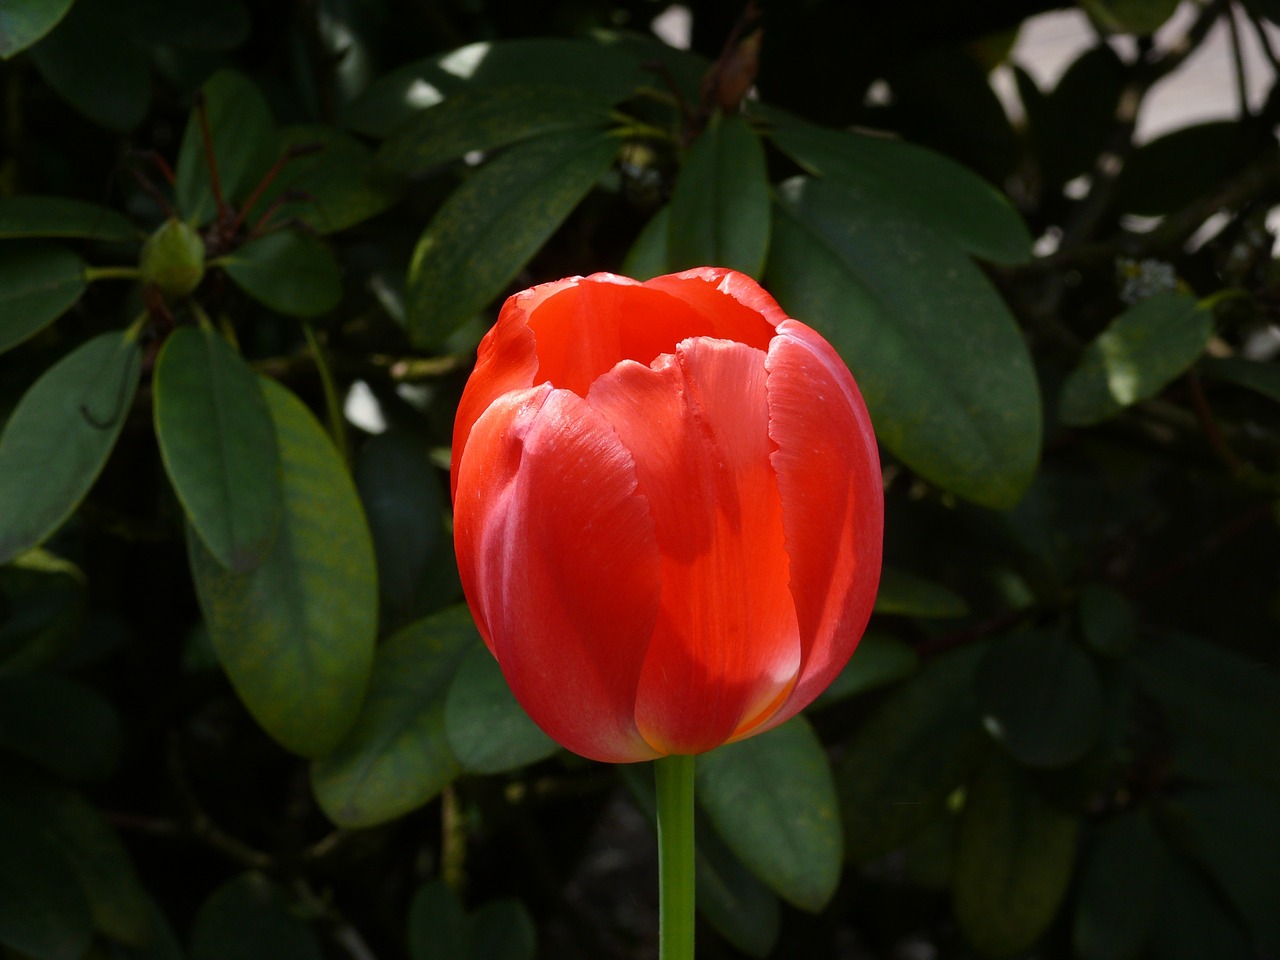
361,408
674,26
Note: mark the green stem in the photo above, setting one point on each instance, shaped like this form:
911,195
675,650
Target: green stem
333,405
111,273
674,776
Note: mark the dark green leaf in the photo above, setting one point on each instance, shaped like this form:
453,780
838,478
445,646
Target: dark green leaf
720,201
732,899
28,216
1040,698
1107,620
1139,354
60,724
905,761
1130,16
914,183
1191,922
501,930
487,730
773,801
1171,171
1119,890
879,660
936,353
245,144
437,924
298,649
905,593
41,603
219,446
1014,855
38,283
59,437
191,24
22,25
251,918
162,944
397,756
648,256
289,271
494,223
1263,378
43,913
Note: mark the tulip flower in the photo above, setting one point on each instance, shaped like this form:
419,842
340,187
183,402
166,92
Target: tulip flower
667,510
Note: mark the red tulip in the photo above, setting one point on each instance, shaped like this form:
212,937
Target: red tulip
667,510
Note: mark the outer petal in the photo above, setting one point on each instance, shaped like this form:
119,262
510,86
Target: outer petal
737,306
560,566
832,502
725,648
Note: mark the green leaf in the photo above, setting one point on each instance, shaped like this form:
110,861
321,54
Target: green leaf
245,145
162,944
936,353
296,634
773,801
251,918
1119,890
396,757
487,730
1136,357
38,283
1130,16
59,724
289,271
43,913
913,183
189,24
1263,378
1040,697
32,216
720,201
1192,923
648,257
909,756
59,437
42,598
1014,855
485,119
1169,172
733,900
437,925
501,930
24,24
219,446
491,226
880,659
904,593
1107,620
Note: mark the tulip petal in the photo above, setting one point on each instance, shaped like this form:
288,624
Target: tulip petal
736,307
560,565
832,502
725,647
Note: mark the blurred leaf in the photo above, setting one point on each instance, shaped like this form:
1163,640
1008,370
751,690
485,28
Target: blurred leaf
1191,922
648,256
396,757
191,24
902,592
494,223
485,119
1040,697
38,283
298,649
773,802
1107,620
59,724
1263,378
289,271
937,355
31,216
21,26
162,944
733,900
43,913
1119,889
1014,855
909,756
437,924
41,602
245,143
501,930
912,182
1171,171
91,60
59,437
486,729
219,446
880,659
251,918
1136,357
1130,16
606,71
719,211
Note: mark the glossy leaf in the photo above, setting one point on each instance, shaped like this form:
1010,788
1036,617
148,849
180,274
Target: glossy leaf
773,801
289,271
38,283
42,598
1119,890
1135,358
938,357
501,930
59,437
219,445
720,201
251,918
21,26
648,257
1130,16
297,650
1173,170
880,659
437,924
35,216
396,757
904,593
1040,698
487,730
59,724
494,223
913,182
1263,378
1014,855
43,913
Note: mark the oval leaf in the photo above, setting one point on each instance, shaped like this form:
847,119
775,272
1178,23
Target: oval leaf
906,594
251,918
397,756
219,445
648,256
773,801
1119,887
59,436
487,730
501,930
298,649
62,217
437,924
937,355
59,724
494,223
43,913
22,25
289,271
1263,378
879,660
38,283
720,201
